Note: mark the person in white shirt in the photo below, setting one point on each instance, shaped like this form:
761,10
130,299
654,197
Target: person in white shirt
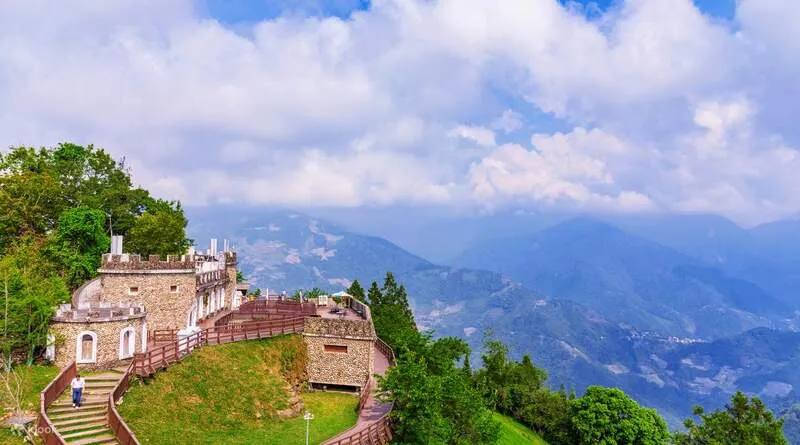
77,390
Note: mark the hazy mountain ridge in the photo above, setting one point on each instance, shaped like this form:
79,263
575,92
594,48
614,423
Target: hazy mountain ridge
578,345
630,279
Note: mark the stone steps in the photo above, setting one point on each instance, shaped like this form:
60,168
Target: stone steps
75,413
101,431
87,425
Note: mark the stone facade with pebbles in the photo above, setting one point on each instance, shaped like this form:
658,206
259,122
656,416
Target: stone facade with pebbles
340,352
173,293
168,293
97,343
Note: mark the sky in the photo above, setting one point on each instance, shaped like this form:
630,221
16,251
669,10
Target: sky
608,106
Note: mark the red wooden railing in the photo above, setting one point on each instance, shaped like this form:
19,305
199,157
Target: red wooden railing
365,391
378,433
45,427
158,357
163,335
118,426
261,307
385,349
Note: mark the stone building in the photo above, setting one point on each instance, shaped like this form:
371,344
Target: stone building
110,317
340,345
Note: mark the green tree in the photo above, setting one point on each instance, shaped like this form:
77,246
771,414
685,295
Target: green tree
160,232
240,277
357,291
607,416
31,290
78,243
38,185
417,399
743,422
374,296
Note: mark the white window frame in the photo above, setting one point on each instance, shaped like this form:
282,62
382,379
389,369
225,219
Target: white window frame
131,342
79,344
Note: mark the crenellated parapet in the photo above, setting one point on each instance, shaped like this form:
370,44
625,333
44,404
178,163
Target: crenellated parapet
125,262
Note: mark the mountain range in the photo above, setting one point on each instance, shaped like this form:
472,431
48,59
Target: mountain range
661,311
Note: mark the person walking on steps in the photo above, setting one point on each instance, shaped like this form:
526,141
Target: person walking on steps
77,390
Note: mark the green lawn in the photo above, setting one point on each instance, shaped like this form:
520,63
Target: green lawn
34,379
514,433
229,394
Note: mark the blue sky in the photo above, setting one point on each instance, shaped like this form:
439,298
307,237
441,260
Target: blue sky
236,11
638,106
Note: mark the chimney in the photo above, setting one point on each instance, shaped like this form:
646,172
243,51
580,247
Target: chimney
226,246
116,245
213,249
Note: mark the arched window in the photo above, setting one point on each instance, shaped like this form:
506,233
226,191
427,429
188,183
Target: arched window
127,343
86,347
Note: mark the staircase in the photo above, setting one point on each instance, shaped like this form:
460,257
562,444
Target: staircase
87,425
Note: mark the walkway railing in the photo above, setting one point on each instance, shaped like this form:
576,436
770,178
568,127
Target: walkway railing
262,307
147,363
118,426
51,392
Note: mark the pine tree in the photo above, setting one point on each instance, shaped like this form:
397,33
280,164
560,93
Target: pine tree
356,291
374,296
390,289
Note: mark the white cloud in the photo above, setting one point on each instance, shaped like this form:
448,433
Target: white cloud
670,109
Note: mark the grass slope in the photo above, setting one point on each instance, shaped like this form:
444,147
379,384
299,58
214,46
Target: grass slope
514,433
34,379
229,394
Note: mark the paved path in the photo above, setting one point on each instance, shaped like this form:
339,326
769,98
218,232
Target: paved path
373,409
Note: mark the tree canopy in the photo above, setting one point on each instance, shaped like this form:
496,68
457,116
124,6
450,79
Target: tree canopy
60,206
743,421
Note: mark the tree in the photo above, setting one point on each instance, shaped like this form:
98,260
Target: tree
374,296
743,421
78,243
240,277
357,291
161,232
31,290
38,185
417,399
607,416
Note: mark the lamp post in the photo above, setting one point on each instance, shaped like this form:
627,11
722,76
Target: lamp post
308,417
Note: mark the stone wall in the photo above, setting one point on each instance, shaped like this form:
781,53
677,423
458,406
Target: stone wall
230,286
166,309
133,262
337,368
340,327
108,340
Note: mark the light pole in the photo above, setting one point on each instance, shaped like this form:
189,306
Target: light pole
308,417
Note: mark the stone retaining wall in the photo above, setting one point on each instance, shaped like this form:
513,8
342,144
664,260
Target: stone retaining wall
338,368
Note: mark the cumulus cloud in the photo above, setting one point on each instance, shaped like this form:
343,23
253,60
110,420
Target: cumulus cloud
407,102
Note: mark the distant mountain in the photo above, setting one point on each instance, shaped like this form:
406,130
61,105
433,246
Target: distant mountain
767,255
576,344
629,279
286,250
